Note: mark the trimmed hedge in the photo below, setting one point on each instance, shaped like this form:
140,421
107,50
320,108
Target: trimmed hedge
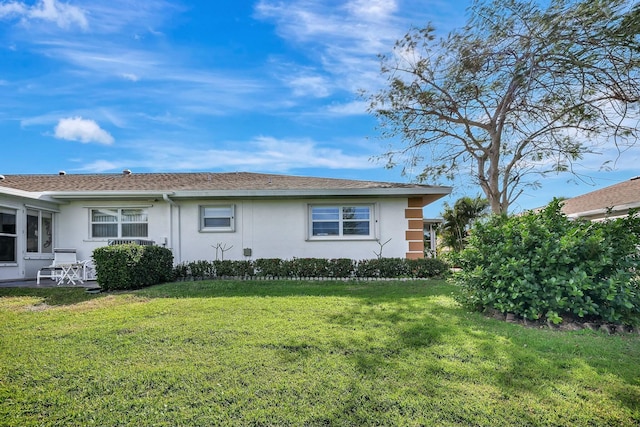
313,268
132,266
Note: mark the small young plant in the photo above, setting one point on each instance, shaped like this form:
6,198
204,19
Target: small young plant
221,248
379,253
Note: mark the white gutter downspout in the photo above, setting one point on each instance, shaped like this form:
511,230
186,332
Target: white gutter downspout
178,250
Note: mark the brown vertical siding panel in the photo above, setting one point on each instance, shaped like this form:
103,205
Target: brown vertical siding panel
415,202
413,213
416,224
414,235
416,246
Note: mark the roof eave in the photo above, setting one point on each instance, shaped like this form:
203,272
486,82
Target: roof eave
79,195
350,192
604,211
26,194
427,193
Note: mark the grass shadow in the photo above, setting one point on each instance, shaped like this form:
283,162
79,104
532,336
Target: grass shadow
52,296
372,290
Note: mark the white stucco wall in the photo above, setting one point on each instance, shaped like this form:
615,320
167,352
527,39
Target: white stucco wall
280,229
270,228
73,226
27,264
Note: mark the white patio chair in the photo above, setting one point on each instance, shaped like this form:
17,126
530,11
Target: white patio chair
65,266
88,270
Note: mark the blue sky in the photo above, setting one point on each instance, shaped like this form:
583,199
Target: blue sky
260,86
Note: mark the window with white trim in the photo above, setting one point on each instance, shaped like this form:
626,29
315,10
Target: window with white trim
39,231
349,221
217,218
8,235
119,223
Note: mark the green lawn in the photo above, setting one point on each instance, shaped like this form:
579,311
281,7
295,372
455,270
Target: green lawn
300,353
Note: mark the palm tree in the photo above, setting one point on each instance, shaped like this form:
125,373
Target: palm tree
459,218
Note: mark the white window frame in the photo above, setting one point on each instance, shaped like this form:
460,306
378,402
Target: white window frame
14,236
119,222
341,221
43,234
202,217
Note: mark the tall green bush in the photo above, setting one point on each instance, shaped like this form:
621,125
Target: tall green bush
545,266
132,266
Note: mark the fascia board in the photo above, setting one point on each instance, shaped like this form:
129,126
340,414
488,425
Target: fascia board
358,192
25,194
603,211
83,195
297,193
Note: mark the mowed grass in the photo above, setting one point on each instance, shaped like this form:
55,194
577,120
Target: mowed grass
269,353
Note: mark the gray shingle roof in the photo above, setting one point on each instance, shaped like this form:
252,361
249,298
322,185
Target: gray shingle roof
621,195
201,181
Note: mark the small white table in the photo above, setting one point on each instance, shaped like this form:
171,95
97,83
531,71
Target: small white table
70,273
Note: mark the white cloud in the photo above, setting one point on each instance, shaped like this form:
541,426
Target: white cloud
342,41
63,14
308,85
354,108
130,76
100,166
44,119
168,74
297,154
263,153
134,19
373,9
83,130
12,8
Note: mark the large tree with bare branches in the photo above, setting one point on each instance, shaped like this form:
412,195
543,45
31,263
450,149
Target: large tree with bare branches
519,92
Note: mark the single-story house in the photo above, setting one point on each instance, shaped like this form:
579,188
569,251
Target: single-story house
609,202
200,215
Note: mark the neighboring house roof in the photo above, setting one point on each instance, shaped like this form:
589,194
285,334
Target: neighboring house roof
617,199
233,184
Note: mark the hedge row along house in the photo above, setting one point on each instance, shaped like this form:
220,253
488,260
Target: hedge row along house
201,216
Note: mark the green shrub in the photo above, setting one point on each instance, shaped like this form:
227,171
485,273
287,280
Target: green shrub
200,270
309,267
269,267
427,268
368,268
156,265
544,265
224,268
312,267
230,268
382,267
181,271
341,267
244,269
132,266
